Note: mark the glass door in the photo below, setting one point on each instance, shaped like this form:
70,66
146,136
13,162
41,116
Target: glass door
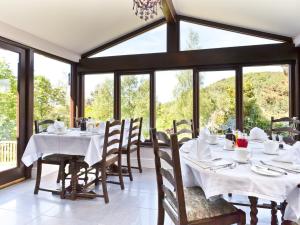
10,99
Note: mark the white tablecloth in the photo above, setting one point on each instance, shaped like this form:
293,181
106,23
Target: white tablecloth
241,180
72,143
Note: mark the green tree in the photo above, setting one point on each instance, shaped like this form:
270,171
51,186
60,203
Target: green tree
8,102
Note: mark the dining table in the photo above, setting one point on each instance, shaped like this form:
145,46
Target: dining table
73,142
257,178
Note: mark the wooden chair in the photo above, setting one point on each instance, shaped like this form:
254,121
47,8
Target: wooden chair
184,128
163,138
290,129
111,154
133,145
54,159
187,206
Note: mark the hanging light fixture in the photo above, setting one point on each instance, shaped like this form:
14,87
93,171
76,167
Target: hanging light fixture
146,9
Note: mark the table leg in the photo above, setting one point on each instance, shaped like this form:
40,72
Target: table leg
274,220
254,211
282,209
73,180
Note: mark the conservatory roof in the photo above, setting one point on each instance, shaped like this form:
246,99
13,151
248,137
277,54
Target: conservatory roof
70,28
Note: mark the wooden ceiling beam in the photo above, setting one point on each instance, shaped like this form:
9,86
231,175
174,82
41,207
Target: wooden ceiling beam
169,11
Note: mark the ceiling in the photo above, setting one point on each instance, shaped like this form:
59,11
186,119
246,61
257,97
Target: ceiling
81,25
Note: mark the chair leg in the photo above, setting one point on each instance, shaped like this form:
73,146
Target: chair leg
104,185
242,218
161,215
96,176
129,166
138,153
120,171
59,174
38,177
63,179
86,178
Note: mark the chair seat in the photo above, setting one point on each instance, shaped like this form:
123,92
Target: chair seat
56,157
198,207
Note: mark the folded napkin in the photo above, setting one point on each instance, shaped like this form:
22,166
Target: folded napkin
204,133
292,155
197,149
258,134
57,126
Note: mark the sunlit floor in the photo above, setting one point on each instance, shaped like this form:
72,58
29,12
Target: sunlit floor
136,205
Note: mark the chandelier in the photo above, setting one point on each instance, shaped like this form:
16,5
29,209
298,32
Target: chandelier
146,9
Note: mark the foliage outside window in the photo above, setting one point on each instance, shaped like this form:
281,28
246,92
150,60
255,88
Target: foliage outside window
8,108
99,96
51,89
265,94
217,100
135,99
174,97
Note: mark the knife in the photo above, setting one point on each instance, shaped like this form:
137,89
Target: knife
280,167
270,169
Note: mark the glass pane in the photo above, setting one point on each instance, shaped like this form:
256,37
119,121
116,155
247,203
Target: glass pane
217,100
51,89
99,96
149,42
135,99
174,97
265,94
195,36
9,109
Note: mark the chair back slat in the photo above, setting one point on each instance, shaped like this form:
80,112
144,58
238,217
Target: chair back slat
163,138
169,177
39,124
165,156
135,130
289,129
113,133
185,129
113,138
171,197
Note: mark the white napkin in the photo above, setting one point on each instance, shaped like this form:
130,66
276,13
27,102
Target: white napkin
204,133
59,125
292,155
258,134
51,128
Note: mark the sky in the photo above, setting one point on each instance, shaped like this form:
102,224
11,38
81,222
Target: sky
149,42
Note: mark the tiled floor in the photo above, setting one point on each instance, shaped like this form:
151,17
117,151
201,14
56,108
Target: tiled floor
136,205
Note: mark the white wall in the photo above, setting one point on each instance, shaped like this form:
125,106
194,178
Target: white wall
28,39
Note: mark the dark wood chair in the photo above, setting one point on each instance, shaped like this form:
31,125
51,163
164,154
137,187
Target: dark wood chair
187,205
53,159
111,154
184,129
289,130
163,139
133,145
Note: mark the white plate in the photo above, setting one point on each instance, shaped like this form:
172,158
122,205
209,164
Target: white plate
228,149
269,153
265,172
212,143
241,161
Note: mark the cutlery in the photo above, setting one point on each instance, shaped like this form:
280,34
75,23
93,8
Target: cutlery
271,169
280,167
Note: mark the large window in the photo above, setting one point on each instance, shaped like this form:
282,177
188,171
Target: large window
8,109
152,41
195,36
135,98
99,96
265,94
51,89
174,97
217,100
